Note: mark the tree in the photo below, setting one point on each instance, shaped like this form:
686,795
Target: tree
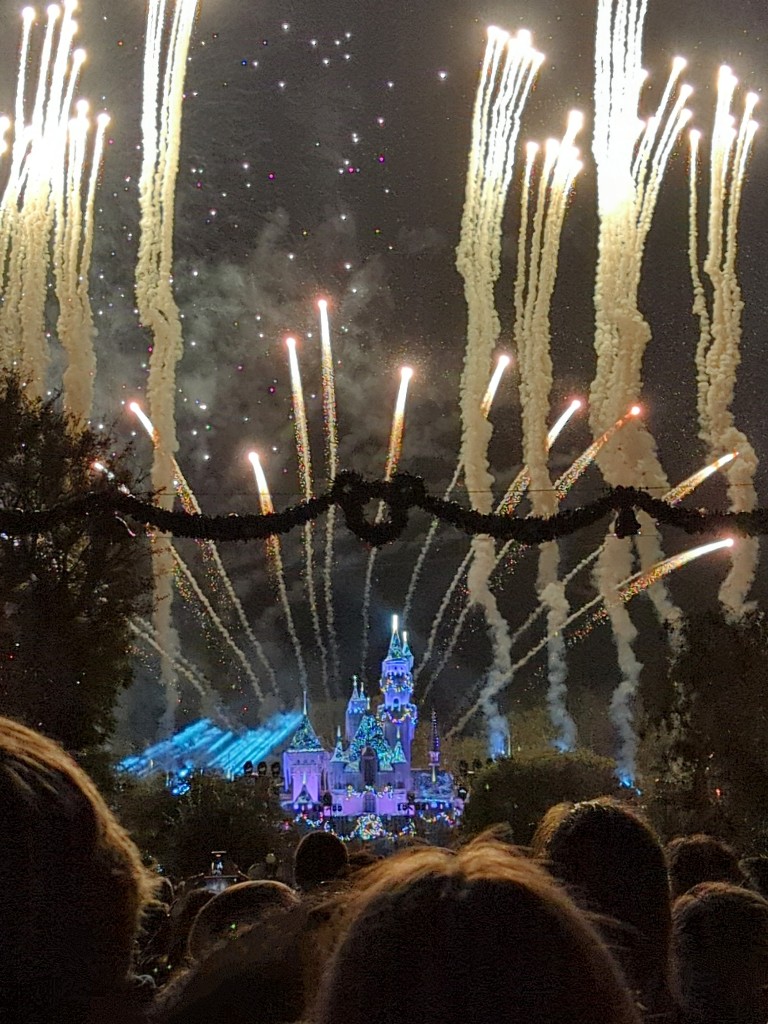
711,710
66,596
518,790
214,814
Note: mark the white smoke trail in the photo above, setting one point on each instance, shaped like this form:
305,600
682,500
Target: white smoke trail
630,170
305,471
48,159
536,276
509,69
719,349
163,94
501,365
632,585
507,506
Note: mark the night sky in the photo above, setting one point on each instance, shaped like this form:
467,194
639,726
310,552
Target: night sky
324,153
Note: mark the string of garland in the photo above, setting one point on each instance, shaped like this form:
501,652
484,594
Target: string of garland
404,493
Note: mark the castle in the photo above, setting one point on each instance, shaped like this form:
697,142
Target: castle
369,771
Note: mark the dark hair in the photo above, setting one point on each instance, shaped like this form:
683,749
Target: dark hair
700,858
320,857
720,954
75,885
237,907
613,863
756,871
485,935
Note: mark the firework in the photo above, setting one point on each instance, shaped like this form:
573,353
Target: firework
626,590
330,420
393,457
210,550
719,350
275,556
305,472
493,386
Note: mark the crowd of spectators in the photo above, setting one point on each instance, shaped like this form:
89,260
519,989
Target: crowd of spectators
595,923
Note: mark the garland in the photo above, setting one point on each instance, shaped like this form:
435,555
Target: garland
400,496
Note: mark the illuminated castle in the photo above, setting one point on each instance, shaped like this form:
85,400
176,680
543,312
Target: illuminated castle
369,771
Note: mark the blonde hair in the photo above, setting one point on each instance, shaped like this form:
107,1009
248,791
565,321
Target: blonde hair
485,934
74,886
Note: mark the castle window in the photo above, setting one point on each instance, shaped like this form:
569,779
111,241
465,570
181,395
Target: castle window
369,803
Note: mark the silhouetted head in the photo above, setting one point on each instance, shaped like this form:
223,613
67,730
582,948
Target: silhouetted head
74,885
700,858
320,857
720,954
235,909
755,870
613,863
472,938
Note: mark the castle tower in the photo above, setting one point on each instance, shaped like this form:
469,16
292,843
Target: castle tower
304,764
398,713
357,707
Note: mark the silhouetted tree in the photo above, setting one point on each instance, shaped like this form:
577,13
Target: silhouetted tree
712,712
518,790
66,596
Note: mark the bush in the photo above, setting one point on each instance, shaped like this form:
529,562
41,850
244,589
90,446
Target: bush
517,791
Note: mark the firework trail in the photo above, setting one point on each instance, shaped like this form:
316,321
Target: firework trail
72,266
163,93
630,170
672,497
42,204
305,472
182,666
509,69
501,365
210,550
187,576
626,590
719,351
393,458
330,420
513,496
534,287
275,557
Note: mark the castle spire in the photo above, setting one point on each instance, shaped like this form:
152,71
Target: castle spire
434,743
395,644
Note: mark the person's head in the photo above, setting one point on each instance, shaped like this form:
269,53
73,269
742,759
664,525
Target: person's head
700,858
613,863
319,857
74,885
484,935
755,870
720,954
235,909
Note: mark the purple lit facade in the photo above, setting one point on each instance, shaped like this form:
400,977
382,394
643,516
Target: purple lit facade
369,771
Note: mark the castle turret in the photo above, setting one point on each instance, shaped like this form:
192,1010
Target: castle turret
398,712
304,763
357,707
